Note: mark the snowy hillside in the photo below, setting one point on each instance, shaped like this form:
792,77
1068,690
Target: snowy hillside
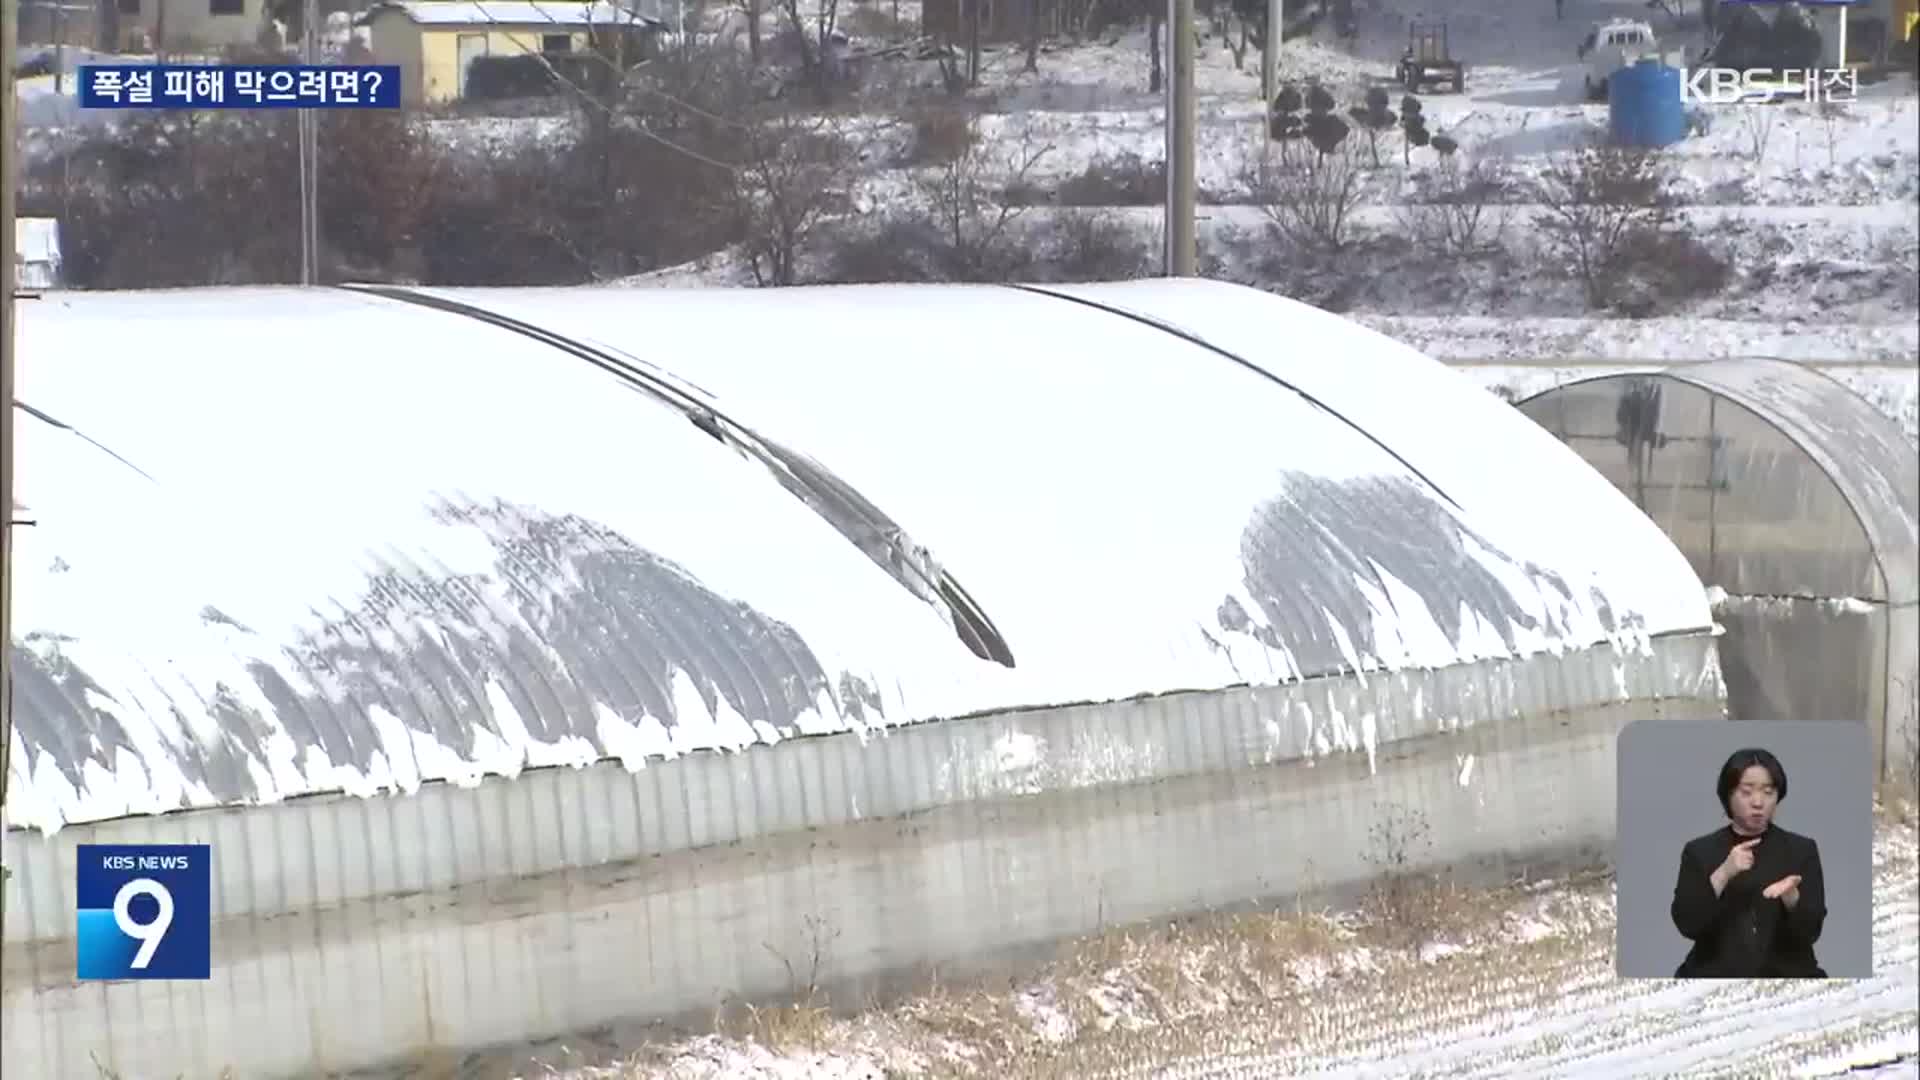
1814,210
1784,230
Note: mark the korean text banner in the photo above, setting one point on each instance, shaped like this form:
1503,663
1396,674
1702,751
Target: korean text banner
239,86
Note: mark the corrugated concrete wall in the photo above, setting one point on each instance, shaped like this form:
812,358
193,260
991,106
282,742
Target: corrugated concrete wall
351,932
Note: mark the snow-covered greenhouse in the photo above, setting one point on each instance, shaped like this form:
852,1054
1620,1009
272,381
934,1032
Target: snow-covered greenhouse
1795,500
1014,613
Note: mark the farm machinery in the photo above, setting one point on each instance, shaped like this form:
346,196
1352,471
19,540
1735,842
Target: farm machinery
1429,60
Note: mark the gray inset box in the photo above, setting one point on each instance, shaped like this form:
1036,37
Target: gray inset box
1669,773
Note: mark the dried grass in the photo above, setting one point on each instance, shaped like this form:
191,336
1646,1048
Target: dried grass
1219,983
1897,800
794,1026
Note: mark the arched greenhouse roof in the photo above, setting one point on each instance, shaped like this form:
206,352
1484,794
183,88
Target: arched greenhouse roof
286,541
1813,489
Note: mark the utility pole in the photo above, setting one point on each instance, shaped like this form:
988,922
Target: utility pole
8,272
1179,230
310,154
1270,55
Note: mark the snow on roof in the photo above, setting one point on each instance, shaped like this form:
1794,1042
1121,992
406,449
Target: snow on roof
1486,456
1112,441
577,13
318,540
360,545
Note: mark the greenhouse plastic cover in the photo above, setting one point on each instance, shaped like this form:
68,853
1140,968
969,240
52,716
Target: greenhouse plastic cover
289,541
1855,445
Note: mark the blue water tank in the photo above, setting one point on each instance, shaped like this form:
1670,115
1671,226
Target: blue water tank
1643,105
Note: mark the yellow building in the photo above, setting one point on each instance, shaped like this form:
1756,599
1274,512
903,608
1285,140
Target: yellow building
434,42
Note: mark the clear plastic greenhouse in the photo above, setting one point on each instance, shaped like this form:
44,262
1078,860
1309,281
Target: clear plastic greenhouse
1795,501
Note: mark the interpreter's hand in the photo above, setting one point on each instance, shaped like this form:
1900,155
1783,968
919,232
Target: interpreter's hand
1786,890
1739,860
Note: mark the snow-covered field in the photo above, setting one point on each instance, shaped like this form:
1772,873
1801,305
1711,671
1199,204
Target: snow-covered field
1518,982
1817,209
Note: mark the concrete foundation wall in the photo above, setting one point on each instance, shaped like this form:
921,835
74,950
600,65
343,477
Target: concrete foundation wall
351,932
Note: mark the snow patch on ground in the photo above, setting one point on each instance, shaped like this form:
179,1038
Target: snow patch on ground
712,1058
1041,1011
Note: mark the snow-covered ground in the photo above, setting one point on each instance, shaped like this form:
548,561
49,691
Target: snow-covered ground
1519,982
1817,209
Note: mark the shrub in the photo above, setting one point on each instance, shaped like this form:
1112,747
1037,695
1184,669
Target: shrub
1596,199
1115,180
941,134
1093,246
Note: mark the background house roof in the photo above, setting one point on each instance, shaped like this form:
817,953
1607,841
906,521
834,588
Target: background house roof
568,13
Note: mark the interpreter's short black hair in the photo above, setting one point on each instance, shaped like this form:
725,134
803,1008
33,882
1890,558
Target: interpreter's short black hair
1739,763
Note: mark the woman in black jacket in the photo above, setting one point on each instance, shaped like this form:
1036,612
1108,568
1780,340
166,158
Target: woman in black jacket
1750,896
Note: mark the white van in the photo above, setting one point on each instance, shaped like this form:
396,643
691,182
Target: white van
1610,46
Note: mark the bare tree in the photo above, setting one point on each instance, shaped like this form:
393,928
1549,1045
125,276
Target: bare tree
1236,43
1597,201
1464,208
106,32
628,190
975,24
1033,36
972,215
1095,245
1757,125
952,76
751,9
1308,195
794,177
1832,114
814,38
1156,25
197,198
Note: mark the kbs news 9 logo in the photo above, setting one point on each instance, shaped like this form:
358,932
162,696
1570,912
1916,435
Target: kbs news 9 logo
145,911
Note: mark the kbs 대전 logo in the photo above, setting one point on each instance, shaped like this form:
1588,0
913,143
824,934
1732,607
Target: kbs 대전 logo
1761,86
145,911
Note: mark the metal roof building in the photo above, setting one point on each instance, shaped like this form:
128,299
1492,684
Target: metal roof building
1796,500
285,542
